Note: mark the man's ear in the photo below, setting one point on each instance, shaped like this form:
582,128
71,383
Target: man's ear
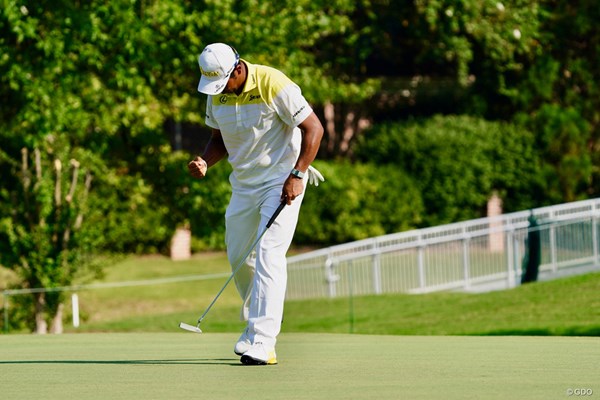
236,70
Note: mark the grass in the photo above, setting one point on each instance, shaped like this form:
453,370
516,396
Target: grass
311,366
410,346
568,306
129,302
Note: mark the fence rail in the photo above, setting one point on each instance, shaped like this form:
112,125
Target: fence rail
107,285
479,254
473,255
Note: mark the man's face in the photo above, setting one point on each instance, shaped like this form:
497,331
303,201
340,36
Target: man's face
234,82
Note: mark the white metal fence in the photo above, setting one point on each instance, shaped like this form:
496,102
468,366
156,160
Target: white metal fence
475,255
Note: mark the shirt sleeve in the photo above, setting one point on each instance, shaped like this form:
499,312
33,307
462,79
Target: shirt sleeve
290,105
209,120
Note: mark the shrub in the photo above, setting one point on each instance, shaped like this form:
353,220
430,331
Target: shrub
457,162
357,201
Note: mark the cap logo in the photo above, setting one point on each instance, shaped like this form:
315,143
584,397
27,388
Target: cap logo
209,74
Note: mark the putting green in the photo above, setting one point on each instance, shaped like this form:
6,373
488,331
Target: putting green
311,366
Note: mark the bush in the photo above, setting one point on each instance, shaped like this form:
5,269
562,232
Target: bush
563,141
457,162
357,201
138,211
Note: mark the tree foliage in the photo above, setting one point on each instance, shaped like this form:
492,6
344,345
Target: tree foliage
561,98
358,201
100,83
458,162
43,235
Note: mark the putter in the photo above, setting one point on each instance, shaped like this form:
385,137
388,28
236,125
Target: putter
196,329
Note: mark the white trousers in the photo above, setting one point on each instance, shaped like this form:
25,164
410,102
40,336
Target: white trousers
262,280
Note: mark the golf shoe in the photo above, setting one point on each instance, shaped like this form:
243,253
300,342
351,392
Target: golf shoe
259,354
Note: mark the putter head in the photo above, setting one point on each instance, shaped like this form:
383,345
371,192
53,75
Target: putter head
190,328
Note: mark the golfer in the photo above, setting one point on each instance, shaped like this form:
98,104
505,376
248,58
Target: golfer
261,121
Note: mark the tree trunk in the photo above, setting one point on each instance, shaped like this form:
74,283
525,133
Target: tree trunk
57,322
41,326
329,115
343,124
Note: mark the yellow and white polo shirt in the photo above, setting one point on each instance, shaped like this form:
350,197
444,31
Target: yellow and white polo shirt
260,126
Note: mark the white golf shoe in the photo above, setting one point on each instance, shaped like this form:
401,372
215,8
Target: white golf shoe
259,354
243,344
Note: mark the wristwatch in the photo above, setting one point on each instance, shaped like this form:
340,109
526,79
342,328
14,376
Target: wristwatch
297,174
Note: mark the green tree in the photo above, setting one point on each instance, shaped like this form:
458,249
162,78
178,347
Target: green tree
562,139
104,78
89,82
560,99
314,42
457,163
43,235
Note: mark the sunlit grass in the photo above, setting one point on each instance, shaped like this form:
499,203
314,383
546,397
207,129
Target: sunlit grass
569,306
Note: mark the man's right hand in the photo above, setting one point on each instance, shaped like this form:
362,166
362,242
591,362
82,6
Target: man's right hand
198,167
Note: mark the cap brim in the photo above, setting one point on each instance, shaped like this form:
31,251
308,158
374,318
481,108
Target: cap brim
211,87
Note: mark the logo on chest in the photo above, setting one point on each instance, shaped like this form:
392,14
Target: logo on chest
254,97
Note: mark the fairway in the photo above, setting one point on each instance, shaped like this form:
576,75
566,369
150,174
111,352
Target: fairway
311,366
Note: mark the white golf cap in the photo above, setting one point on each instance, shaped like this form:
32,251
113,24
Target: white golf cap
216,62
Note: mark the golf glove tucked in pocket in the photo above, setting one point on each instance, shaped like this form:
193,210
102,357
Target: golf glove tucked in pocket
314,176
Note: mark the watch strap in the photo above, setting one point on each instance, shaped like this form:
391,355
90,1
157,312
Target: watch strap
297,173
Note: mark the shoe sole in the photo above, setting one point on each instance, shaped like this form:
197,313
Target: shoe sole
247,360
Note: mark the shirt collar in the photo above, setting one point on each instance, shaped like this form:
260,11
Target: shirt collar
251,80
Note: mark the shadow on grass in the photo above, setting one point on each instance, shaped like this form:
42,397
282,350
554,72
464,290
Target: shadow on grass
519,332
568,331
195,361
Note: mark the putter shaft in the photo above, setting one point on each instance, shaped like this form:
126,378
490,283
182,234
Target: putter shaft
237,268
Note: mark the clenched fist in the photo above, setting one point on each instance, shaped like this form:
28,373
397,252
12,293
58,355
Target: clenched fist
198,167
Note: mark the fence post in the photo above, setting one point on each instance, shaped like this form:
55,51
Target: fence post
510,257
5,306
421,262
553,257
553,250
377,269
350,296
330,277
517,260
595,238
466,266
75,308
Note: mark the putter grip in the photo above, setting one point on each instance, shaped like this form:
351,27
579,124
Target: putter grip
275,214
